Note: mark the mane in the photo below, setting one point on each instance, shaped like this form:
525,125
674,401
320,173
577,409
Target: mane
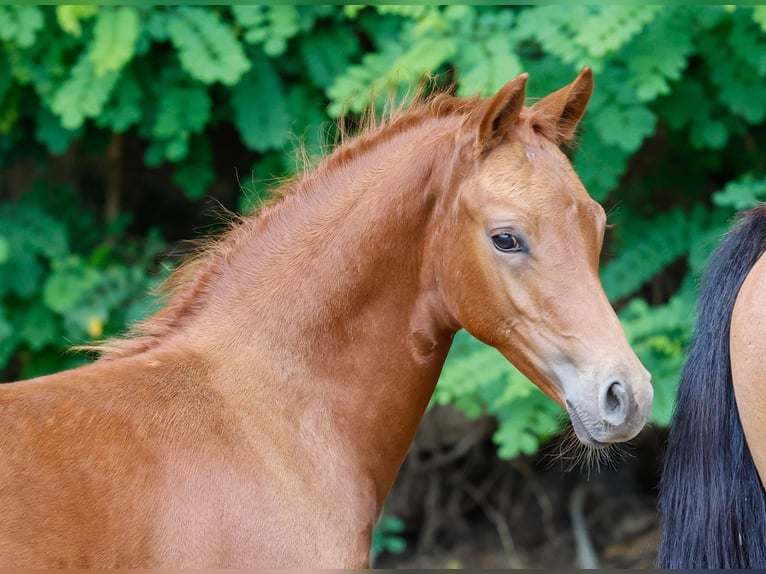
183,292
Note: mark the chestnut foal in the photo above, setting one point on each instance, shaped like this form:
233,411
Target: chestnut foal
260,418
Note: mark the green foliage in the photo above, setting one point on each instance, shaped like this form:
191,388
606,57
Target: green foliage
182,108
742,194
270,26
260,109
477,379
70,15
56,296
20,24
386,537
673,144
114,39
84,94
207,47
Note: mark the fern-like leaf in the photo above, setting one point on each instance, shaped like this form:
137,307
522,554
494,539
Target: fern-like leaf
83,94
20,24
207,47
663,240
114,39
260,110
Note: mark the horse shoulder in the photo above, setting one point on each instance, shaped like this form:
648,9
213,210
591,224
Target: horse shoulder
748,361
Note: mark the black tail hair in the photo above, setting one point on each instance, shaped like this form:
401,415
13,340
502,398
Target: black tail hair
712,502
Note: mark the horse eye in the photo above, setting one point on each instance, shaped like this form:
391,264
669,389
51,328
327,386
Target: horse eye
506,242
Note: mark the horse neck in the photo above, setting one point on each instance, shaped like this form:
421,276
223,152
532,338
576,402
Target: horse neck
333,297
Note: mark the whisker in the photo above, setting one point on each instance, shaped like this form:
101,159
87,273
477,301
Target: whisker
571,454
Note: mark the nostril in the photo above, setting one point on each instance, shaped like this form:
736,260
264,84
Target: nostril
615,404
614,397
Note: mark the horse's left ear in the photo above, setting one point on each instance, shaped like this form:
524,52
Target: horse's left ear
497,115
566,107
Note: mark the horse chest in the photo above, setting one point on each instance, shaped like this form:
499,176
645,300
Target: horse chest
223,515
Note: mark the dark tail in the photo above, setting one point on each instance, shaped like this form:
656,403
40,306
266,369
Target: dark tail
712,503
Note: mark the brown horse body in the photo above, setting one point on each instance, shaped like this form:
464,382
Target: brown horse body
261,417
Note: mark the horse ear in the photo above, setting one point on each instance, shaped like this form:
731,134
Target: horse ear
566,107
498,114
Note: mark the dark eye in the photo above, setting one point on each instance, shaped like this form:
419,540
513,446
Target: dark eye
506,242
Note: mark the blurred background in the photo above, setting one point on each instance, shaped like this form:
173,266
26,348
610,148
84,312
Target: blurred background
126,130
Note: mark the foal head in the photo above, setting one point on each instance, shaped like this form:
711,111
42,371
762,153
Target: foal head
523,274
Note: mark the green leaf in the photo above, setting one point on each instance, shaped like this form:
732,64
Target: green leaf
478,379
327,53
36,326
45,65
207,47
486,66
309,123
526,423
272,26
172,150
392,66
427,54
31,234
83,94
20,24
747,40
386,536
124,108
607,28
157,25
412,11
741,194
624,127
5,327
182,109
554,29
260,109
599,165
249,15
6,79
662,240
52,134
738,85
351,90
353,10
69,16
615,113
660,336
5,249
114,38
759,16
195,173
8,340
67,285
10,105
671,34
690,104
